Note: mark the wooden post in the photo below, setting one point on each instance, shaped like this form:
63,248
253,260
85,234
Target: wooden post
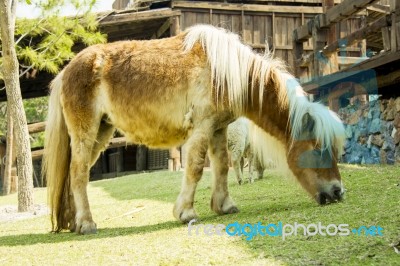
14,179
331,37
170,165
319,61
394,5
363,43
120,159
386,38
175,156
175,26
104,162
273,31
141,158
183,155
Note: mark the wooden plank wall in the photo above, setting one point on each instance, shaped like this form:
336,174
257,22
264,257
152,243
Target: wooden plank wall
343,29
255,28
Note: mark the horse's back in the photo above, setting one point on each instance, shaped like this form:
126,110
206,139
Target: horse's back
146,89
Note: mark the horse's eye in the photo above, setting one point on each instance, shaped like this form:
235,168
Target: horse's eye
315,159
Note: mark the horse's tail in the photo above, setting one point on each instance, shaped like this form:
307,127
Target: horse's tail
56,159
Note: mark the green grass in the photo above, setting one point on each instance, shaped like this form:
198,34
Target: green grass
136,226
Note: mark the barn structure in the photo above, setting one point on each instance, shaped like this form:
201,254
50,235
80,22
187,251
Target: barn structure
345,53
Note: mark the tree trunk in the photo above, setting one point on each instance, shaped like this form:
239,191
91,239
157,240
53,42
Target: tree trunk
2,161
14,98
9,155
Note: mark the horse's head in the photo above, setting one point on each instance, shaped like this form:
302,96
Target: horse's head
312,156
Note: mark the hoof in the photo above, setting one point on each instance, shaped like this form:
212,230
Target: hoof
223,205
184,215
86,228
240,182
232,210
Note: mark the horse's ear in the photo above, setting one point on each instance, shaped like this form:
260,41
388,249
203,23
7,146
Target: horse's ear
308,123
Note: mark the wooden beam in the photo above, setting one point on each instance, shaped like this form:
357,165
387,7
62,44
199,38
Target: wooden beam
138,16
376,26
376,45
37,155
246,7
114,143
371,63
291,1
379,8
341,11
376,61
303,33
117,142
37,127
164,27
350,60
278,47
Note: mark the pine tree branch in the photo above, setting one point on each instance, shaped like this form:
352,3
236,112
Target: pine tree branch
27,33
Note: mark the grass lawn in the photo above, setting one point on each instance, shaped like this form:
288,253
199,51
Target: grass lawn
136,226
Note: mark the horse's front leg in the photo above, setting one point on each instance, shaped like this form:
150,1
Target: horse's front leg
221,202
196,154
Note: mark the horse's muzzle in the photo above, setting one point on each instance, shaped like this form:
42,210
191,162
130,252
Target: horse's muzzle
334,194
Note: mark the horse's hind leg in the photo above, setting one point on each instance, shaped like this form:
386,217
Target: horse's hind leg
83,131
104,135
196,153
221,202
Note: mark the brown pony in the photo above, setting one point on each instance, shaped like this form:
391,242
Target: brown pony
188,88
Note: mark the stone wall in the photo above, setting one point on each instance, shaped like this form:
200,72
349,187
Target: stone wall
372,131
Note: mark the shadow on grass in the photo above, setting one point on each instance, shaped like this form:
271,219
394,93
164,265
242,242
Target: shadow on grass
103,233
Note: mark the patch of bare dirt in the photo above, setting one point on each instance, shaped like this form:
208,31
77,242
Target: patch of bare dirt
9,213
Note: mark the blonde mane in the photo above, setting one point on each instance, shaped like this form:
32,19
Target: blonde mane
233,64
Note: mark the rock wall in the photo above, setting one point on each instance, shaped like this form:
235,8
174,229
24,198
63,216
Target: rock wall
372,131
